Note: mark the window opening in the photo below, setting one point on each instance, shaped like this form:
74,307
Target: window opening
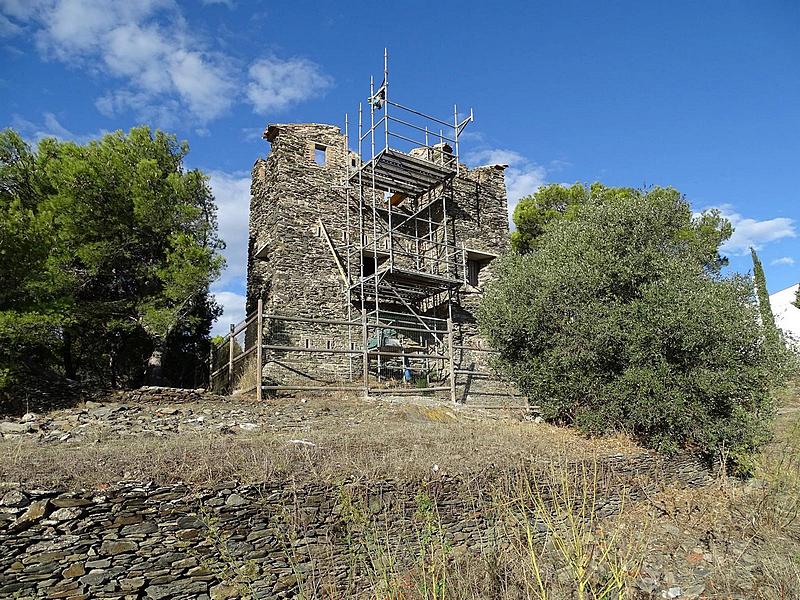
320,154
473,272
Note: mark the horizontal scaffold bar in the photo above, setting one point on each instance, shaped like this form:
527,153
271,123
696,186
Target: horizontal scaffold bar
473,349
311,350
312,388
420,114
275,317
407,355
407,390
220,370
240,356
422,130
404,328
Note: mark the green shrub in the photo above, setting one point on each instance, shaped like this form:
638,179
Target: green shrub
616,322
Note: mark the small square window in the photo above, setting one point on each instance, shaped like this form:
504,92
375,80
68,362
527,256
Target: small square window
319,155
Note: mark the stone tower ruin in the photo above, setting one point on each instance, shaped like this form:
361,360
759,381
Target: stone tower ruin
369,252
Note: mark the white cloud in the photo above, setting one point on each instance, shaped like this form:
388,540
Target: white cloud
50,127
275,83
20,9
750,232
164,113
783,260
232,311
205,87
523,181
8,28
252,134
232,194
523,177
164,68
494,156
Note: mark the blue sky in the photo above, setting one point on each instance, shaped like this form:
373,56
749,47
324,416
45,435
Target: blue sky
704,97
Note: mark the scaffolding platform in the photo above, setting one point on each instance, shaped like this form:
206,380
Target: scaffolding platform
412,285
394,171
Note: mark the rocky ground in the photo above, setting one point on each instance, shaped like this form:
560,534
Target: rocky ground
149,412
95,421
729,539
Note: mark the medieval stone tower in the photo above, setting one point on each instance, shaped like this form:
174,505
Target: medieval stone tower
370,263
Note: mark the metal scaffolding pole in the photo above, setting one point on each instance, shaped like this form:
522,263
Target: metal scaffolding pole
414,257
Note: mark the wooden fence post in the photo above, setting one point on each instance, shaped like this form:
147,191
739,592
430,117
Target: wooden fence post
259,348
364,347
230,359
451,352
211,355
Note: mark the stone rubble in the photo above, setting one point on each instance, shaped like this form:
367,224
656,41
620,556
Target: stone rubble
134,540
153,413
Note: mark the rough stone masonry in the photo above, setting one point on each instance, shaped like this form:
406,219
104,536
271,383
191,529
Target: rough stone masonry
292,268
136,540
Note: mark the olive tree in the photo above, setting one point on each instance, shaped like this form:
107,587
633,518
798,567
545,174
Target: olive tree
618,320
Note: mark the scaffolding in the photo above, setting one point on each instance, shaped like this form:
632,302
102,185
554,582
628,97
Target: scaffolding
403,264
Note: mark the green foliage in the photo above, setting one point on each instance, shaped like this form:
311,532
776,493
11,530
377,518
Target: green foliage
550,202
702,234
619,321
760,283
107,251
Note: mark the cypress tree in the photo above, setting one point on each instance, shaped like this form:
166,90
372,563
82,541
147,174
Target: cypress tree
760,281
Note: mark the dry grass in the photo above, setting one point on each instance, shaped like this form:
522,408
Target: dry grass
734,539
247,375
550,542
347,438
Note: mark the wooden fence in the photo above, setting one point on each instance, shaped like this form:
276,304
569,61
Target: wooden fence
228,357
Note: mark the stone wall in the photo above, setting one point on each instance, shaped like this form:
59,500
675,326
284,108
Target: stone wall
136,540
153,393
296,273
291,266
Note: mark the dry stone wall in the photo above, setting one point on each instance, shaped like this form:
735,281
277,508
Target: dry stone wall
135,540
153,393
296,273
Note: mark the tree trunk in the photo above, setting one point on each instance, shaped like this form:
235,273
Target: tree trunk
152,374
66,356
112,368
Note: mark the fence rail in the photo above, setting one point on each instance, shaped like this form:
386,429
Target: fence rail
227,360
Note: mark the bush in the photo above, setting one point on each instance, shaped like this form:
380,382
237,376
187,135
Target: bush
616,322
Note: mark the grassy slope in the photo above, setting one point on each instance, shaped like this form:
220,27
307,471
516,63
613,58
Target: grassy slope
732,539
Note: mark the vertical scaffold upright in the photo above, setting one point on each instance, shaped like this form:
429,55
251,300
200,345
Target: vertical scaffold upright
403,261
